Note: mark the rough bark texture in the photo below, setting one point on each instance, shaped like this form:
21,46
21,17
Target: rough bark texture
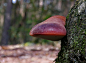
6,27
74,44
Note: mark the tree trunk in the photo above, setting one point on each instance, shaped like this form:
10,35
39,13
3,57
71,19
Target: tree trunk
6,27
73,47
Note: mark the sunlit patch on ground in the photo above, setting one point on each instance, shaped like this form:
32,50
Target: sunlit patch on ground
30,54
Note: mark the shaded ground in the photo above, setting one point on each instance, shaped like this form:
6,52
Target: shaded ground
30,54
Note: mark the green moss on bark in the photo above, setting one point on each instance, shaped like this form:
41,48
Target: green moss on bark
73,48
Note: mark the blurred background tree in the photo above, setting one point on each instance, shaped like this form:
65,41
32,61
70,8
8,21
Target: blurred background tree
6,26
27,13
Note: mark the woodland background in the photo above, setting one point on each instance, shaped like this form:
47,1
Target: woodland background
27,13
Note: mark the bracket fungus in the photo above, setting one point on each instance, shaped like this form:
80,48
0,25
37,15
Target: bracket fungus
52,29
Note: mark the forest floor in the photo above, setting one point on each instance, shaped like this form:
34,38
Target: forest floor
28,54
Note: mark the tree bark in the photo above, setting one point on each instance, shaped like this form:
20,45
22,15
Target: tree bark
73,47
6,27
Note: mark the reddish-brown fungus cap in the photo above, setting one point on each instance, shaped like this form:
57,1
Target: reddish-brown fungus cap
51,29
56,19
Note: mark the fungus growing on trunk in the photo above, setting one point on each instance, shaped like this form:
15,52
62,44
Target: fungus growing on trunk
52,29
